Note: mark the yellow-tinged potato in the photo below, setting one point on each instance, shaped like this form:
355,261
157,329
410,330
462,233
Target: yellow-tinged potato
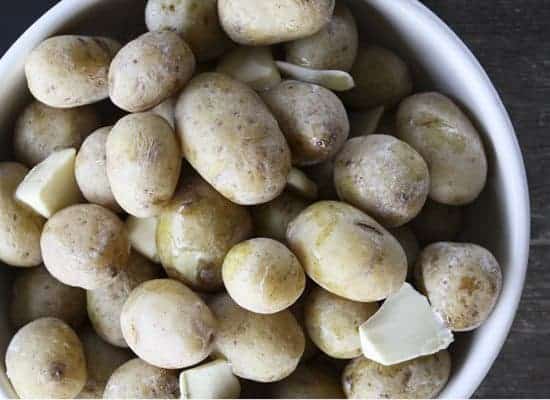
407,239
307,382
230,137
142,233
143,163
70,71
347,252
437,222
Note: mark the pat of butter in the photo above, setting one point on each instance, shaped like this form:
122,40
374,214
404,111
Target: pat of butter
213,380
142,233
404,328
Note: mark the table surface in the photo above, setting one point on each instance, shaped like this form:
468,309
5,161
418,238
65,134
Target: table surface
511,38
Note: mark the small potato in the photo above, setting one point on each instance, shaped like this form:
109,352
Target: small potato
421,378
20,227
142,233
230,137
150,69
263,276
462,282
167,325
195,232
85,245
312,118
381,79
166,110
382,176
333,47
105,304
407,239
450,144
45,359
37,294
333,322
143,163
255,23
70,71
261,348
138,380
41,130
307,382
437,222
346,252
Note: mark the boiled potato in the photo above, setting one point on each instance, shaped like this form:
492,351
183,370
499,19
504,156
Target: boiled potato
142,233
40,130
337,81
230,137
381,79
263,276
150,69
212,380
167,325
195,232
85,245
332,322
462,282
45,359
105,304
407,239
347,252
70,71
333,47
437,222
143,163
312,118
307,382
382,176
166,110
255,23
421,378
138,380
435,126
20,227
37,294
261,348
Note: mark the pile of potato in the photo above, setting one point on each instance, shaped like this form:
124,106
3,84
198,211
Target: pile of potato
160,223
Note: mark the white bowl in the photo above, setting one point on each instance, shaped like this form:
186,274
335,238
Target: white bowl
500,218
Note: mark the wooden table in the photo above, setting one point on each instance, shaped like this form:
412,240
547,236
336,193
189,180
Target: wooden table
511,38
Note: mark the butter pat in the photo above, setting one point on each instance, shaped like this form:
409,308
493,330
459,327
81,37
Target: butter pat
404,328
142,233
213,380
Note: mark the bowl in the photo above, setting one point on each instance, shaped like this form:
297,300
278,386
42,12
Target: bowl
499,220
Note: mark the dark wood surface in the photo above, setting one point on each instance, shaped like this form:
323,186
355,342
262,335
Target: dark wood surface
511,38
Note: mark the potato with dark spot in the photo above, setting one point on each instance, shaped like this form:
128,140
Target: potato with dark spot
437,222
307,382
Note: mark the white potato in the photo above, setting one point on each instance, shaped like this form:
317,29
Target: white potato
166,110
142,233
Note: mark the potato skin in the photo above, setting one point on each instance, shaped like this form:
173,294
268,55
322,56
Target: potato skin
346,252
307,382
85,245
254,23
196,230
70,71
437,222
230,137
435,126
462,282
143,163
261,348
312,118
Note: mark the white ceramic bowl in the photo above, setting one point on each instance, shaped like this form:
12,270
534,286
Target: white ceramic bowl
499,220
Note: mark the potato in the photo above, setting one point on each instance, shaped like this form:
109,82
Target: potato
307,382
143,163
142,233
150,69
40,130
105,304
312,118
70,71
45,359
195,232
437,222
195,20
346,252
166,110
297,309
20,227
261,348
450,144
333,47
407,239
381,79
85,245
263,276
254,23
420,378
230,137
462,282
167,325
382,176
138,380
37,294
212,380
332,322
